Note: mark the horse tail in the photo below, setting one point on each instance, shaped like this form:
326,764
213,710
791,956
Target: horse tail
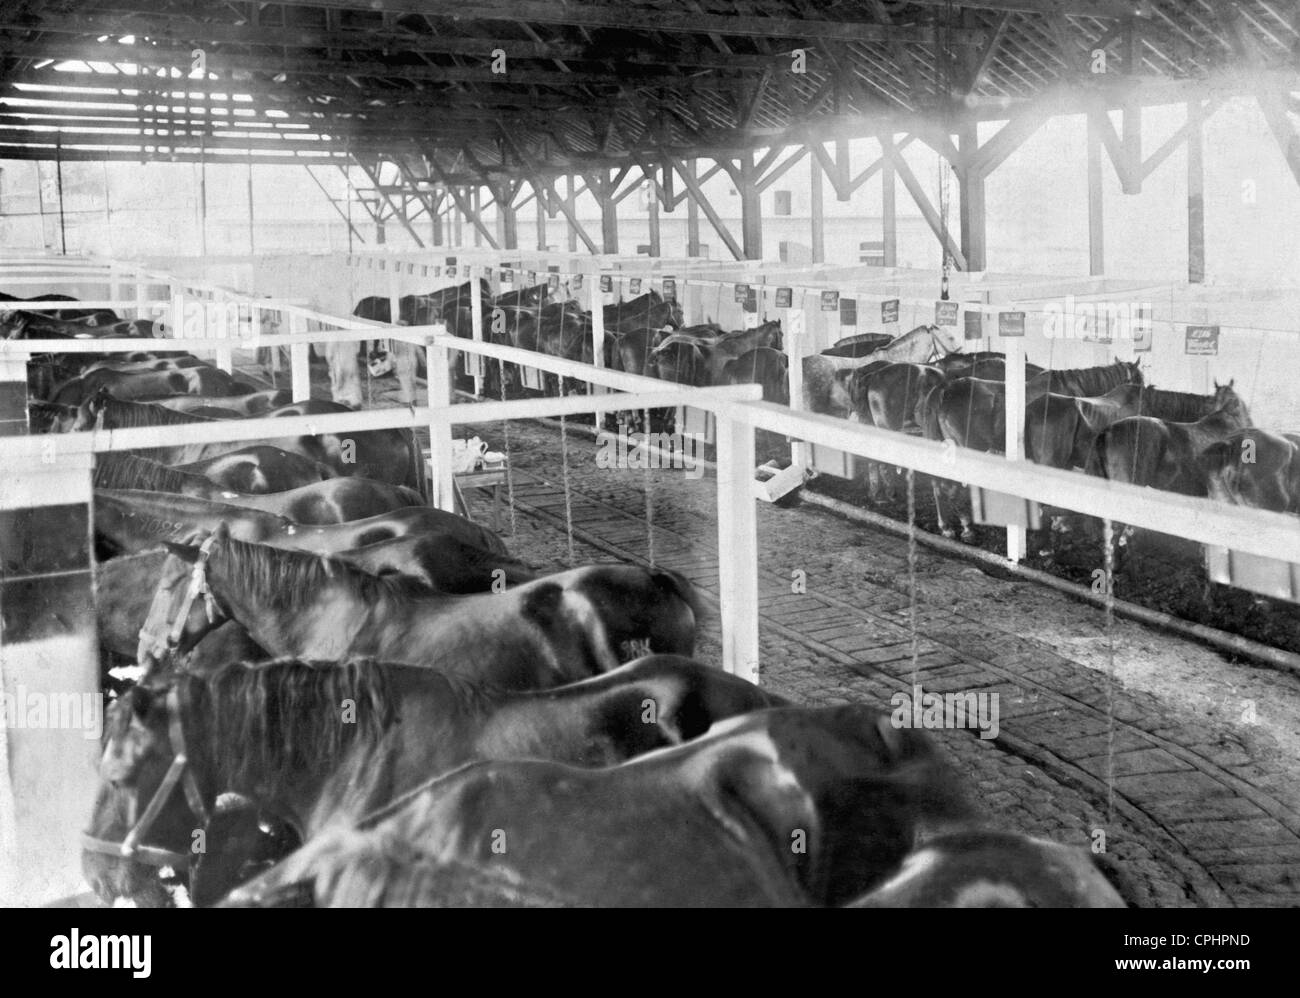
931,428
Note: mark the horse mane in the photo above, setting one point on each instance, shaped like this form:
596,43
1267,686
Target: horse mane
276,722
1085,382
126,471
288,581
1178,407
124,415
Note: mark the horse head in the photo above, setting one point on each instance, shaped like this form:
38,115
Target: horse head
184,607
51,417
151,799
1228,402
92,414
943,339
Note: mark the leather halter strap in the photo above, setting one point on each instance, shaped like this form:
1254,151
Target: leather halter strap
178,772
198,586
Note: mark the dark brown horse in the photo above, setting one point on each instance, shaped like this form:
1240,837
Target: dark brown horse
972,411
1061,430
1252,467
385,455
132,520
762,366
336,500
556,629
259,469
1163,454
128,385
272,733
782,807
252,404
981,869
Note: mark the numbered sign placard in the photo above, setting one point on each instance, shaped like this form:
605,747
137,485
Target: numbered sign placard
1202,341
1141,330
750,305
974,324
532,378
634,286
740,293
830,301
784,297
945,313
577,282
1011,323
606,283
889,311
553,282
451,270
670,289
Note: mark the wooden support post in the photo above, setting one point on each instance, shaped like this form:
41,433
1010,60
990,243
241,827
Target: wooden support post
597,303
507,215
572,202
816,210
436,204
751,209
1015,429
608,213
457,225
1195,193
652,218
1096,202
737,549
974,244
475,200
696,194
842,190
692,213
252,248
889,210
542,199
13,395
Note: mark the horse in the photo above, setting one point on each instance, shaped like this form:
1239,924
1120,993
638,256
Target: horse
385,455
562,626
101,315
790,806
129,385
335,500
1162,454
260,469
270,732
859,345
131,520
253,404
1252,467
972,411
986,869
761,366
721,350
1061,430
825,377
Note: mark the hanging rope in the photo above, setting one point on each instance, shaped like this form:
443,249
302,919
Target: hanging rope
1108,558
510,473
568,499
911,569
945,94
649,500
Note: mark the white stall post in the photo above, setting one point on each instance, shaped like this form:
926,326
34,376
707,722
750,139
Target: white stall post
141,290
49,666
299,360
737,548
225,330
1015,430
597,301
442,477
793,334
476,328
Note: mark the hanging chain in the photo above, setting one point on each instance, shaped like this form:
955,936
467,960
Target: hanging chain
945,96
649,499
510,471
1108,557
568,499
911,570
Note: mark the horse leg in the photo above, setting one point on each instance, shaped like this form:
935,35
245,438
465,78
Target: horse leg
944,529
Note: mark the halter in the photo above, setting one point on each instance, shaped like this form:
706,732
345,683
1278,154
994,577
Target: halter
177,772
198,587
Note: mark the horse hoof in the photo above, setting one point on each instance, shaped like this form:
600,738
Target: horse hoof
968,536
949,533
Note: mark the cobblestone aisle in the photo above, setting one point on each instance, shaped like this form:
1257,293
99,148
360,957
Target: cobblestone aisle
1202,812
